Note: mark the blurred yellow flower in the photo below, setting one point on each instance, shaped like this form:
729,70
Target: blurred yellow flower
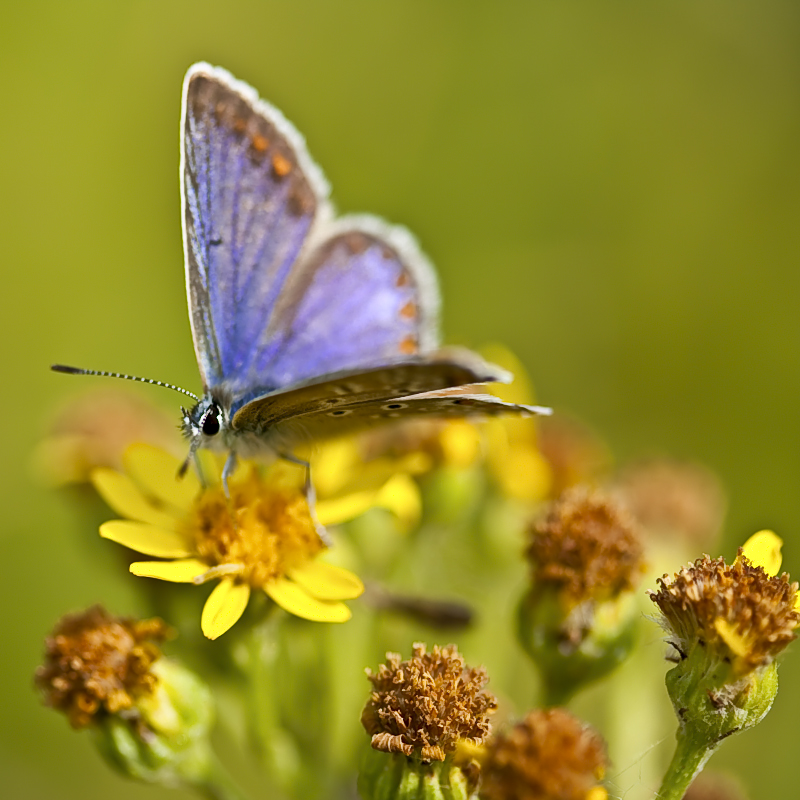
263,537
514,458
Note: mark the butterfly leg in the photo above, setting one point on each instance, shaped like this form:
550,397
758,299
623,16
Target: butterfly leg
311,496
227,471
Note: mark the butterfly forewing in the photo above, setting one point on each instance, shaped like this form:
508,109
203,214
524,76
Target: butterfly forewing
250,197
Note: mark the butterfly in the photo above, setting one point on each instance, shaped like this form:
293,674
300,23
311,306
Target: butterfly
305,326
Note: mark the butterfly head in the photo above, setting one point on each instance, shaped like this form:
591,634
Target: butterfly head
204,422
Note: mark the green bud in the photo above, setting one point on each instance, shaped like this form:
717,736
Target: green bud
712,702
164,738
395,776
572,648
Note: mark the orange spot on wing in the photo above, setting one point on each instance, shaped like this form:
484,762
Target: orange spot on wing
239,125
281,166
260,143
402,279
409,310
408,345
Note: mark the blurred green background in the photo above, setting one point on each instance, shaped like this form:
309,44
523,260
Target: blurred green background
611,189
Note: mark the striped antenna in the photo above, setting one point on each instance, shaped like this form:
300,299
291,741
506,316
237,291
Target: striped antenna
79,371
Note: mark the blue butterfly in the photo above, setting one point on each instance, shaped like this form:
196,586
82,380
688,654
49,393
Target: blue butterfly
305,326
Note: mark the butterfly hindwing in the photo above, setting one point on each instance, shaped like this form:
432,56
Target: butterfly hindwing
415,375
362,296
320,425
250,195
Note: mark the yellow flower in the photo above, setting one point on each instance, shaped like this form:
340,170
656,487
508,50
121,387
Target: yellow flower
514,457
263,537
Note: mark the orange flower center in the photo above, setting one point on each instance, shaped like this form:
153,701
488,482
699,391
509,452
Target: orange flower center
262,530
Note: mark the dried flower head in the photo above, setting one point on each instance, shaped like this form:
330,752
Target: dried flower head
98,664
550,755
738,610
426,705
588,545
670,497
94,429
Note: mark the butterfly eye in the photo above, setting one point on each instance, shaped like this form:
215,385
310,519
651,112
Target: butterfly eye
210,422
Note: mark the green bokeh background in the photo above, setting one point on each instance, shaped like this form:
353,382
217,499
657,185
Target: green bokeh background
611,189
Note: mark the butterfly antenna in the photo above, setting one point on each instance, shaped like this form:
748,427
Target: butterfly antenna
79,371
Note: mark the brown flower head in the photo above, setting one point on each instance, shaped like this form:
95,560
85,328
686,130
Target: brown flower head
96,664
670,497
588,545
739,609
426,705
93,431
550,755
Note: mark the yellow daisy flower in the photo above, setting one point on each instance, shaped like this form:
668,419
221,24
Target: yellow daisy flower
263,537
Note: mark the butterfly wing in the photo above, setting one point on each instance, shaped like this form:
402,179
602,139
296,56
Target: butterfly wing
462,403
250,196
279,294
362,296
334,393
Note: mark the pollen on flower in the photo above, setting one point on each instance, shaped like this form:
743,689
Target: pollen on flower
424,706
96,664
739,608
588,545
258,533
550,754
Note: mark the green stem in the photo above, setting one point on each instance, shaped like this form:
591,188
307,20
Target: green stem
218,784
688,760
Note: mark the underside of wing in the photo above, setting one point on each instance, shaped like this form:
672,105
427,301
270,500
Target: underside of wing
462,404
421,375
250,196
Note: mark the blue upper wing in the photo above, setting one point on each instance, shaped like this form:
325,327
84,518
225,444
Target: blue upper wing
278,292
250,197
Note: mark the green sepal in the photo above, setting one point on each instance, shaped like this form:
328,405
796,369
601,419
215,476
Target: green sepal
164,739
394,776
712,702
572,648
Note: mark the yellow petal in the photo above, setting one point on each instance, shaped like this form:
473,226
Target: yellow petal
728,633
224,607
147,539
293,598
326,581
460,442
183,571
763,549
333,464
156,472
400,495
332,512
122,494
